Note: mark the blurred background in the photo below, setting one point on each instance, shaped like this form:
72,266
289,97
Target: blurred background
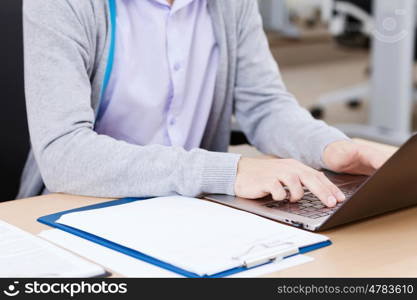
315,61
14,138
349,62
324,49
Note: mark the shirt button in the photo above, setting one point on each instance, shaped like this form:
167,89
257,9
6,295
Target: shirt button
172,122
177,67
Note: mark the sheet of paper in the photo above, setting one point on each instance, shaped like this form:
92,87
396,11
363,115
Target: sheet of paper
25,255
196,235
131,267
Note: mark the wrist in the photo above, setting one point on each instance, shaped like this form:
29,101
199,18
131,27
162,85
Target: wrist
219,173
340,155
242,166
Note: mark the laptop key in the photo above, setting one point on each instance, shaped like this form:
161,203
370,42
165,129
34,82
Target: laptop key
310,207
309,214
315,216
324,214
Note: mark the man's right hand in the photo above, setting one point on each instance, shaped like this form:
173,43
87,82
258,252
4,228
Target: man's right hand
257,178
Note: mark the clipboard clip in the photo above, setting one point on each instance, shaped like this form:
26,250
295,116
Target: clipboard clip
267,254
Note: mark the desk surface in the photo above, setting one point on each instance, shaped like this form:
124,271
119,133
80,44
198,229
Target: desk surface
384,246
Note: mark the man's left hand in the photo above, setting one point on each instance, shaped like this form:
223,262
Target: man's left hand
355,158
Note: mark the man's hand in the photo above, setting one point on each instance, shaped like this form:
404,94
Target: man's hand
355,158
257,178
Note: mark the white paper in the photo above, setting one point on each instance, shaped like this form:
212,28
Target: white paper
130,267
25,255
199,236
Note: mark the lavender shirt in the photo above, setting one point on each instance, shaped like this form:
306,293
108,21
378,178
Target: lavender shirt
162,85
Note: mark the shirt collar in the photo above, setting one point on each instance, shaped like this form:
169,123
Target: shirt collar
178,4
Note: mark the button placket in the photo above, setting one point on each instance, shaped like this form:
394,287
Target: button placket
175,67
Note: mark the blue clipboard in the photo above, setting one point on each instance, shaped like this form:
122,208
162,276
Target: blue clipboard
50,220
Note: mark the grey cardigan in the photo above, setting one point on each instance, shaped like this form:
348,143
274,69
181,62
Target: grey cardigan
67,52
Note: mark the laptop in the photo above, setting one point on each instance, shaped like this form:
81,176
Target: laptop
391,188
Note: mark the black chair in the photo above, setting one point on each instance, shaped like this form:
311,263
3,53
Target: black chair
353,36
14,136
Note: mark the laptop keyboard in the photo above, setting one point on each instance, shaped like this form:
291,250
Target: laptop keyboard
310,206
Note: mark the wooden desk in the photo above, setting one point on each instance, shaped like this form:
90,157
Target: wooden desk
384,246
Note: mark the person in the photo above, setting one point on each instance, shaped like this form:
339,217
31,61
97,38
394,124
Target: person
134,98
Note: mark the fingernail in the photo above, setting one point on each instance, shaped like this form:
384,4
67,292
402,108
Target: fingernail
341,196
331,201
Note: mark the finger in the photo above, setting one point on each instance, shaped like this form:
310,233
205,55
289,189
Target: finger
278,192
294,186
339,195
320,190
